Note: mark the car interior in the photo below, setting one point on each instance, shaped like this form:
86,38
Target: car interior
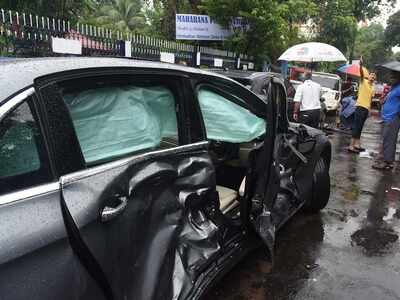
233,132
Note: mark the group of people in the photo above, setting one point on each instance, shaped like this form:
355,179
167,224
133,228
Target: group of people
355,112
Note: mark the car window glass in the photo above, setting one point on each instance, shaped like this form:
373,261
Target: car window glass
21,146
113,121
227,121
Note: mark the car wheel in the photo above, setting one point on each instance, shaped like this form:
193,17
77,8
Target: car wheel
321,188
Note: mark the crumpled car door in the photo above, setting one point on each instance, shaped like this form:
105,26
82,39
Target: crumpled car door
263,177
143,222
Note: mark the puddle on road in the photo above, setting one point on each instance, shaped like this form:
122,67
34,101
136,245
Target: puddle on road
375,241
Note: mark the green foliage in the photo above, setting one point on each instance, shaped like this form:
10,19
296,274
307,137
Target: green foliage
370,43
337,23
5,46
155,16
273,25
122,15
368,9
392,32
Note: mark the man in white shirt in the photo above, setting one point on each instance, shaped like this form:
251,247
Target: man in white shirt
307,101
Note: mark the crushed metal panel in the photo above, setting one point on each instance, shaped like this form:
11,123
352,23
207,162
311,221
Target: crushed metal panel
164,239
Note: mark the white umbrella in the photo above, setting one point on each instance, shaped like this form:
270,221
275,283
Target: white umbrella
312,52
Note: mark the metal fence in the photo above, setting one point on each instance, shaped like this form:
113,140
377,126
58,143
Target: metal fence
27,35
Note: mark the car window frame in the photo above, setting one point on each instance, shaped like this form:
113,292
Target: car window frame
52,81
28,96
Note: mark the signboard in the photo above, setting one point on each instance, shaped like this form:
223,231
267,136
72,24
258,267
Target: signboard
66,46
167,57
199,27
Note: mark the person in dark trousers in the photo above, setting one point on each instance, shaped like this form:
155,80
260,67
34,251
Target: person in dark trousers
391,123
363,105
307,104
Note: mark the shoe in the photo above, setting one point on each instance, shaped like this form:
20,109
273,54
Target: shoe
360,149
382,166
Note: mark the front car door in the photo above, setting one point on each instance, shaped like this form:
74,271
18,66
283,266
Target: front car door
246,125
137,193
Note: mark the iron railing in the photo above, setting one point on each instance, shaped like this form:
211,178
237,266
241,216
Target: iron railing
27,35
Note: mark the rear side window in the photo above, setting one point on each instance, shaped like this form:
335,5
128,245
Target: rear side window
114,121
227,121
23,159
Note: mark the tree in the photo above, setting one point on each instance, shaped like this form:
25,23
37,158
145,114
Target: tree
165,11
392,32
337,20
370,43
336,23
272,25
123,15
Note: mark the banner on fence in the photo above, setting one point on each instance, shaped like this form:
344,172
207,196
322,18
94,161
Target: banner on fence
128,49
199,27
218,62
65,46
167,57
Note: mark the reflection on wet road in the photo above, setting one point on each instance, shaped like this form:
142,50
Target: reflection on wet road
349,251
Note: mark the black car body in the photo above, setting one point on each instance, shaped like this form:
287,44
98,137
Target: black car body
110,188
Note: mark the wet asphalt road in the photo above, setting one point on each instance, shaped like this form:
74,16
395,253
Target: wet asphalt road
350,250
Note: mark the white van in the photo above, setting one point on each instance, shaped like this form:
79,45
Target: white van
331,88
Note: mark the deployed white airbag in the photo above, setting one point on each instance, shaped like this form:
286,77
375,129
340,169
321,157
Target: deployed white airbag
228,122
113,121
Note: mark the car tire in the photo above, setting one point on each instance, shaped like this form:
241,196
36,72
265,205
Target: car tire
321,188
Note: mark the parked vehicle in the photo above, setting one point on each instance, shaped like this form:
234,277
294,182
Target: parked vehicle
331,89
122,179
330,83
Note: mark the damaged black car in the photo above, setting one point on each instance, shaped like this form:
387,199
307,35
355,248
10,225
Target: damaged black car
122,179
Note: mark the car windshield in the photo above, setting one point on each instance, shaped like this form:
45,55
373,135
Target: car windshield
326,81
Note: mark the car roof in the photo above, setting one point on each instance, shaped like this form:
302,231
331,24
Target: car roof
20,73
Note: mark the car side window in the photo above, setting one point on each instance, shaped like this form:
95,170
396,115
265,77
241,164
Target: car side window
115,120
227,121
23,158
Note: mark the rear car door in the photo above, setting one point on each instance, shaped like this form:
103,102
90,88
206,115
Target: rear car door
36,259
134,194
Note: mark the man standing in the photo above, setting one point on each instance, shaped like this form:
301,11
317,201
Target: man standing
391,123
307,101
363,105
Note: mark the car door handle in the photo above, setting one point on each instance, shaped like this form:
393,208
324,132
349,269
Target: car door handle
109,213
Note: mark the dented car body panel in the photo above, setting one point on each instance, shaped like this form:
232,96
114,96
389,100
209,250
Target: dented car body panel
159,216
